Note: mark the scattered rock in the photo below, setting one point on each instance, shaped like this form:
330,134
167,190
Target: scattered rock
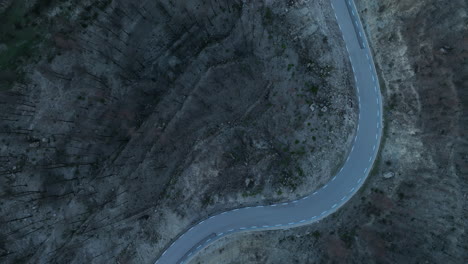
388,175
445,49
34,144
260,144
247,182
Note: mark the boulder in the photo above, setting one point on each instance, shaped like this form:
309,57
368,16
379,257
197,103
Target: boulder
388,175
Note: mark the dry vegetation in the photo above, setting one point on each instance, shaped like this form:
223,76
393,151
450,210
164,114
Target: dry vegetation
413,209
123,122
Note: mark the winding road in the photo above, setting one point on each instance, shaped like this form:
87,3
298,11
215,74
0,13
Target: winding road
331,196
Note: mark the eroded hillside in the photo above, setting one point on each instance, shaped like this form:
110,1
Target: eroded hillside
413,208
124,122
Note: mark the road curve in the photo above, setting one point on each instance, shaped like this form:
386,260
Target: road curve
331,196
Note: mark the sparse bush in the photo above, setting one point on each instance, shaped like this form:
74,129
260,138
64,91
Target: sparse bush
312,88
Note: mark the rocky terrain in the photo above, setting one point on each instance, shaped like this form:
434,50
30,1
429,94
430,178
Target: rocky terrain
123,122
413,207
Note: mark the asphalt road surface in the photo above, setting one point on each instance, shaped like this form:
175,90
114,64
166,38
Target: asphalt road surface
330,197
